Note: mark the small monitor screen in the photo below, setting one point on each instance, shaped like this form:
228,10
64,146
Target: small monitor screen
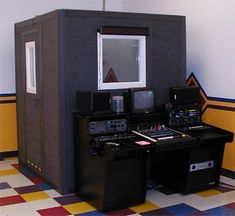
143,100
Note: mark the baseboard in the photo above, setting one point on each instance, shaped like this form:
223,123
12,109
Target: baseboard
228,173
8,154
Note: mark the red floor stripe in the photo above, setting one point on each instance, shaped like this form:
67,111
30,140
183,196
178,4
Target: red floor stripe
11,200
54,211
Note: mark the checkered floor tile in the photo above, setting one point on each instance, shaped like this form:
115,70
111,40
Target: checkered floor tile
22,193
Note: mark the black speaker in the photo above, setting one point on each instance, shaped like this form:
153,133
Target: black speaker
93,102
184,95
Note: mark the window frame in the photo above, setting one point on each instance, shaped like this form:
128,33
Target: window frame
30,66
141,66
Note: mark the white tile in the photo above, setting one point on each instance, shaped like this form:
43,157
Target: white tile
17,180
52,193
27,208
4,166
164,200
204,203
6,163
196,201
13,160
7,192
14,212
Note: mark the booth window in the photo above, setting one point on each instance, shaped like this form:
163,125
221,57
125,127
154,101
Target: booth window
121,57
30,67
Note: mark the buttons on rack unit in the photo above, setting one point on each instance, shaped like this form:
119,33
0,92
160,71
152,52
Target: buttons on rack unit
107,126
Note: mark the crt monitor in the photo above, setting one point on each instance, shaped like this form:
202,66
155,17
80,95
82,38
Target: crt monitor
140,100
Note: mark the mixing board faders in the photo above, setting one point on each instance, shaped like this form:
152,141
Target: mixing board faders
165,138
158,132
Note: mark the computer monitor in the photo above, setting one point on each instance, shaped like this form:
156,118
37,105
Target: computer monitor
140,100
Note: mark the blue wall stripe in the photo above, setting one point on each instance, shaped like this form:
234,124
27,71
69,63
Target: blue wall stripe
222,99
8,95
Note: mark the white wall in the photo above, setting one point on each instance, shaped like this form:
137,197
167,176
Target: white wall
13,11
210,36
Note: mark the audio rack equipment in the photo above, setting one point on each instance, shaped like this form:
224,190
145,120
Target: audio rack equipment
107,126
184,116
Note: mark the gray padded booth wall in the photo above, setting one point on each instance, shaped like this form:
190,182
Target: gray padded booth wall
66,61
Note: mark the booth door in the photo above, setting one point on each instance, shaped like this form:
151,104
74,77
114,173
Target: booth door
33,113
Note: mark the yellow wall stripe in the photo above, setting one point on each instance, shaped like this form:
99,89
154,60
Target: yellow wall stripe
7,98
8,128
221,103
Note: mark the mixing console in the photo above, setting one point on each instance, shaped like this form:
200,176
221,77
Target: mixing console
158,132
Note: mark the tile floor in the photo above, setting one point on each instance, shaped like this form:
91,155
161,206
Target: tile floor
22,193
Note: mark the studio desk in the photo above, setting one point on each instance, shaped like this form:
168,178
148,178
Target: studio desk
115,155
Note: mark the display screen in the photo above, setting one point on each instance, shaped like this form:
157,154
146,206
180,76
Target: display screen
143,100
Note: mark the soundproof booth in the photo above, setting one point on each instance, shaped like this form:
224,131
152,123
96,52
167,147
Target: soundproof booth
64,50
102,107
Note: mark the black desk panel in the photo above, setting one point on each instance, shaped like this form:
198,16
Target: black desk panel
111,167
193,169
